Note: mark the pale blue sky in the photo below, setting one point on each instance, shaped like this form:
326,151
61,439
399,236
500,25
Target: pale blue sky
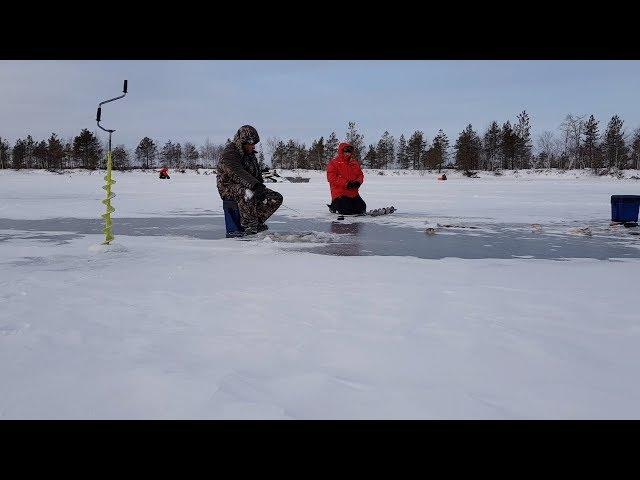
193,100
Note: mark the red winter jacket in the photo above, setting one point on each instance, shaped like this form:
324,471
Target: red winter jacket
341,171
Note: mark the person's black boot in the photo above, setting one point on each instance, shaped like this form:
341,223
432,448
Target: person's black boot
253,229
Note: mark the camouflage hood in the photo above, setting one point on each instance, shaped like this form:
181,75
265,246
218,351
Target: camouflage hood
246,134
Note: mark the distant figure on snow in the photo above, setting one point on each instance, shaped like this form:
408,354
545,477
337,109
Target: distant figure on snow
240,179
442,177
164,173
345,177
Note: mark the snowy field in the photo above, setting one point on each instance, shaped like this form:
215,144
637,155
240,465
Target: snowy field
169,326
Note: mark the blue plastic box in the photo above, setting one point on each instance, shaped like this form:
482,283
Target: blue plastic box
624,208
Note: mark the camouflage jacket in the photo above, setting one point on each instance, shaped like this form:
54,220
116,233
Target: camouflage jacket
236,168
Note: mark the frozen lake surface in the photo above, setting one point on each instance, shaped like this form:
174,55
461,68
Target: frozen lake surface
505,297
365,236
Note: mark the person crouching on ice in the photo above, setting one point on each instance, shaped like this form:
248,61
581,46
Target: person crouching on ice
164,173
345,177
239,178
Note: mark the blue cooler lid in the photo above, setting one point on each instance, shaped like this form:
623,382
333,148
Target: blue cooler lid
625,198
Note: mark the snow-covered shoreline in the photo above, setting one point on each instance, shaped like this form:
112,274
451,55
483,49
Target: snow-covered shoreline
627,174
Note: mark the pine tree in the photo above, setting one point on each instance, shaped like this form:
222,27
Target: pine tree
146,153
55,150
416,150
385,151
590,145
440,149
317,154
261,162
291,155
302,156
5,152
522,133
178,156
356,140
331,148
40,155
468,149
508,145
29,146
68,159
278,155
370,159
120,158
614,147
167,154
191,155
402,158
382,153
17,154
87,149
491,147
635,149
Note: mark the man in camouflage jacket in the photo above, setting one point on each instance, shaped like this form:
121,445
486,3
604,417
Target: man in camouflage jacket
239,178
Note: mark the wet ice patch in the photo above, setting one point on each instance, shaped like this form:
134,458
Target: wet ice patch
112,248
586,231
13,328
30,261
302,237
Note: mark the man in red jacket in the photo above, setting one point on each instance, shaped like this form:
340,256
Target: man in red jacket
345,177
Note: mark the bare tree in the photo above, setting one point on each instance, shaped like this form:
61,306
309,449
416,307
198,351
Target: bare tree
271,144
572,129
549,149
210,154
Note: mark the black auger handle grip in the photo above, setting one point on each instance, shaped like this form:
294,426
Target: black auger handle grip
125,87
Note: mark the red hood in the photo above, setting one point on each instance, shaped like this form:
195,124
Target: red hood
341,148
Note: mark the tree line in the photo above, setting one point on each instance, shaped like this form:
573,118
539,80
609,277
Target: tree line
577,143
86,151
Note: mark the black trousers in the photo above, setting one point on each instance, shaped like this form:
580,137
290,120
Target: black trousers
349,206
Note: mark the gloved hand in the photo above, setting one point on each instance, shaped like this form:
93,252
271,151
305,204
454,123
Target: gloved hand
259,192
353,184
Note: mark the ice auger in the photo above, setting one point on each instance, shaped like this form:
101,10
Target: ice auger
108,232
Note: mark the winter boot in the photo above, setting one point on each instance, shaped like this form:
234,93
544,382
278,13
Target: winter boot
253,229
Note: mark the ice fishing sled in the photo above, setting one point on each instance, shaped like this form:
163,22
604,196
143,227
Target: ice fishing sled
371,213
